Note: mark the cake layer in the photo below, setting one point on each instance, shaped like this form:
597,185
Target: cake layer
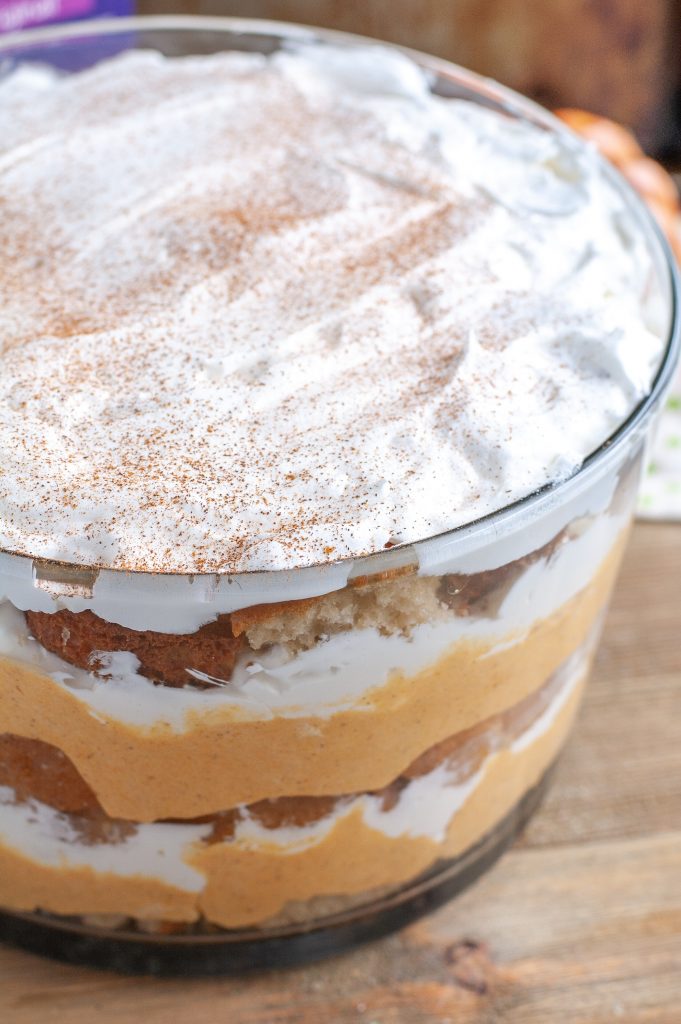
313,656
79,638
392,602
181,872
231,753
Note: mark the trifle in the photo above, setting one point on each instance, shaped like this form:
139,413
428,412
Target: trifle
326,378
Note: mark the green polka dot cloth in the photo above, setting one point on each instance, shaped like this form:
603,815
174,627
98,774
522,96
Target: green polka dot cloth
660,496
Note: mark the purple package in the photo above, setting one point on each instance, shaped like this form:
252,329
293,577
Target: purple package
17,14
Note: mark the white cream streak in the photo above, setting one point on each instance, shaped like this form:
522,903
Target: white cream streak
46,836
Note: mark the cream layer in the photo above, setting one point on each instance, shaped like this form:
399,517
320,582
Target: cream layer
250,879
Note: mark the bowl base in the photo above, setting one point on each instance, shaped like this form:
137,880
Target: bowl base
233,952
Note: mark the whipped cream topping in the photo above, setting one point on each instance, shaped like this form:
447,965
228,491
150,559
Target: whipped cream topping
257,313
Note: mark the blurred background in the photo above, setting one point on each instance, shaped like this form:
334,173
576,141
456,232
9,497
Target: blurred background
621,58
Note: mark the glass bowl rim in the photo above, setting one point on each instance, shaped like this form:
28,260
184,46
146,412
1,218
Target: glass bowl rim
513,103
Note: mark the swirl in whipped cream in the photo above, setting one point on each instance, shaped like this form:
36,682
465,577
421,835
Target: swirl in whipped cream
257,313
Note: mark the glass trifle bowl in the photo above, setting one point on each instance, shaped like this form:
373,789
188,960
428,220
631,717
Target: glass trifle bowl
276,677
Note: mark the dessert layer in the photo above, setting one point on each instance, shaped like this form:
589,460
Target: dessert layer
37,770
232,753
314,655
314,259
179,605
181,872
393,603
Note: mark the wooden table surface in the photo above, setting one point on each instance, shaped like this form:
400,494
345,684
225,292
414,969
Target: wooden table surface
580,923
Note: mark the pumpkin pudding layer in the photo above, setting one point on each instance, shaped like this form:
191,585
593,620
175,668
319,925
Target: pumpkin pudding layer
303,550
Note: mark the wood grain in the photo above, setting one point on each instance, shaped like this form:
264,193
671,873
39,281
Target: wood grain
579,923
